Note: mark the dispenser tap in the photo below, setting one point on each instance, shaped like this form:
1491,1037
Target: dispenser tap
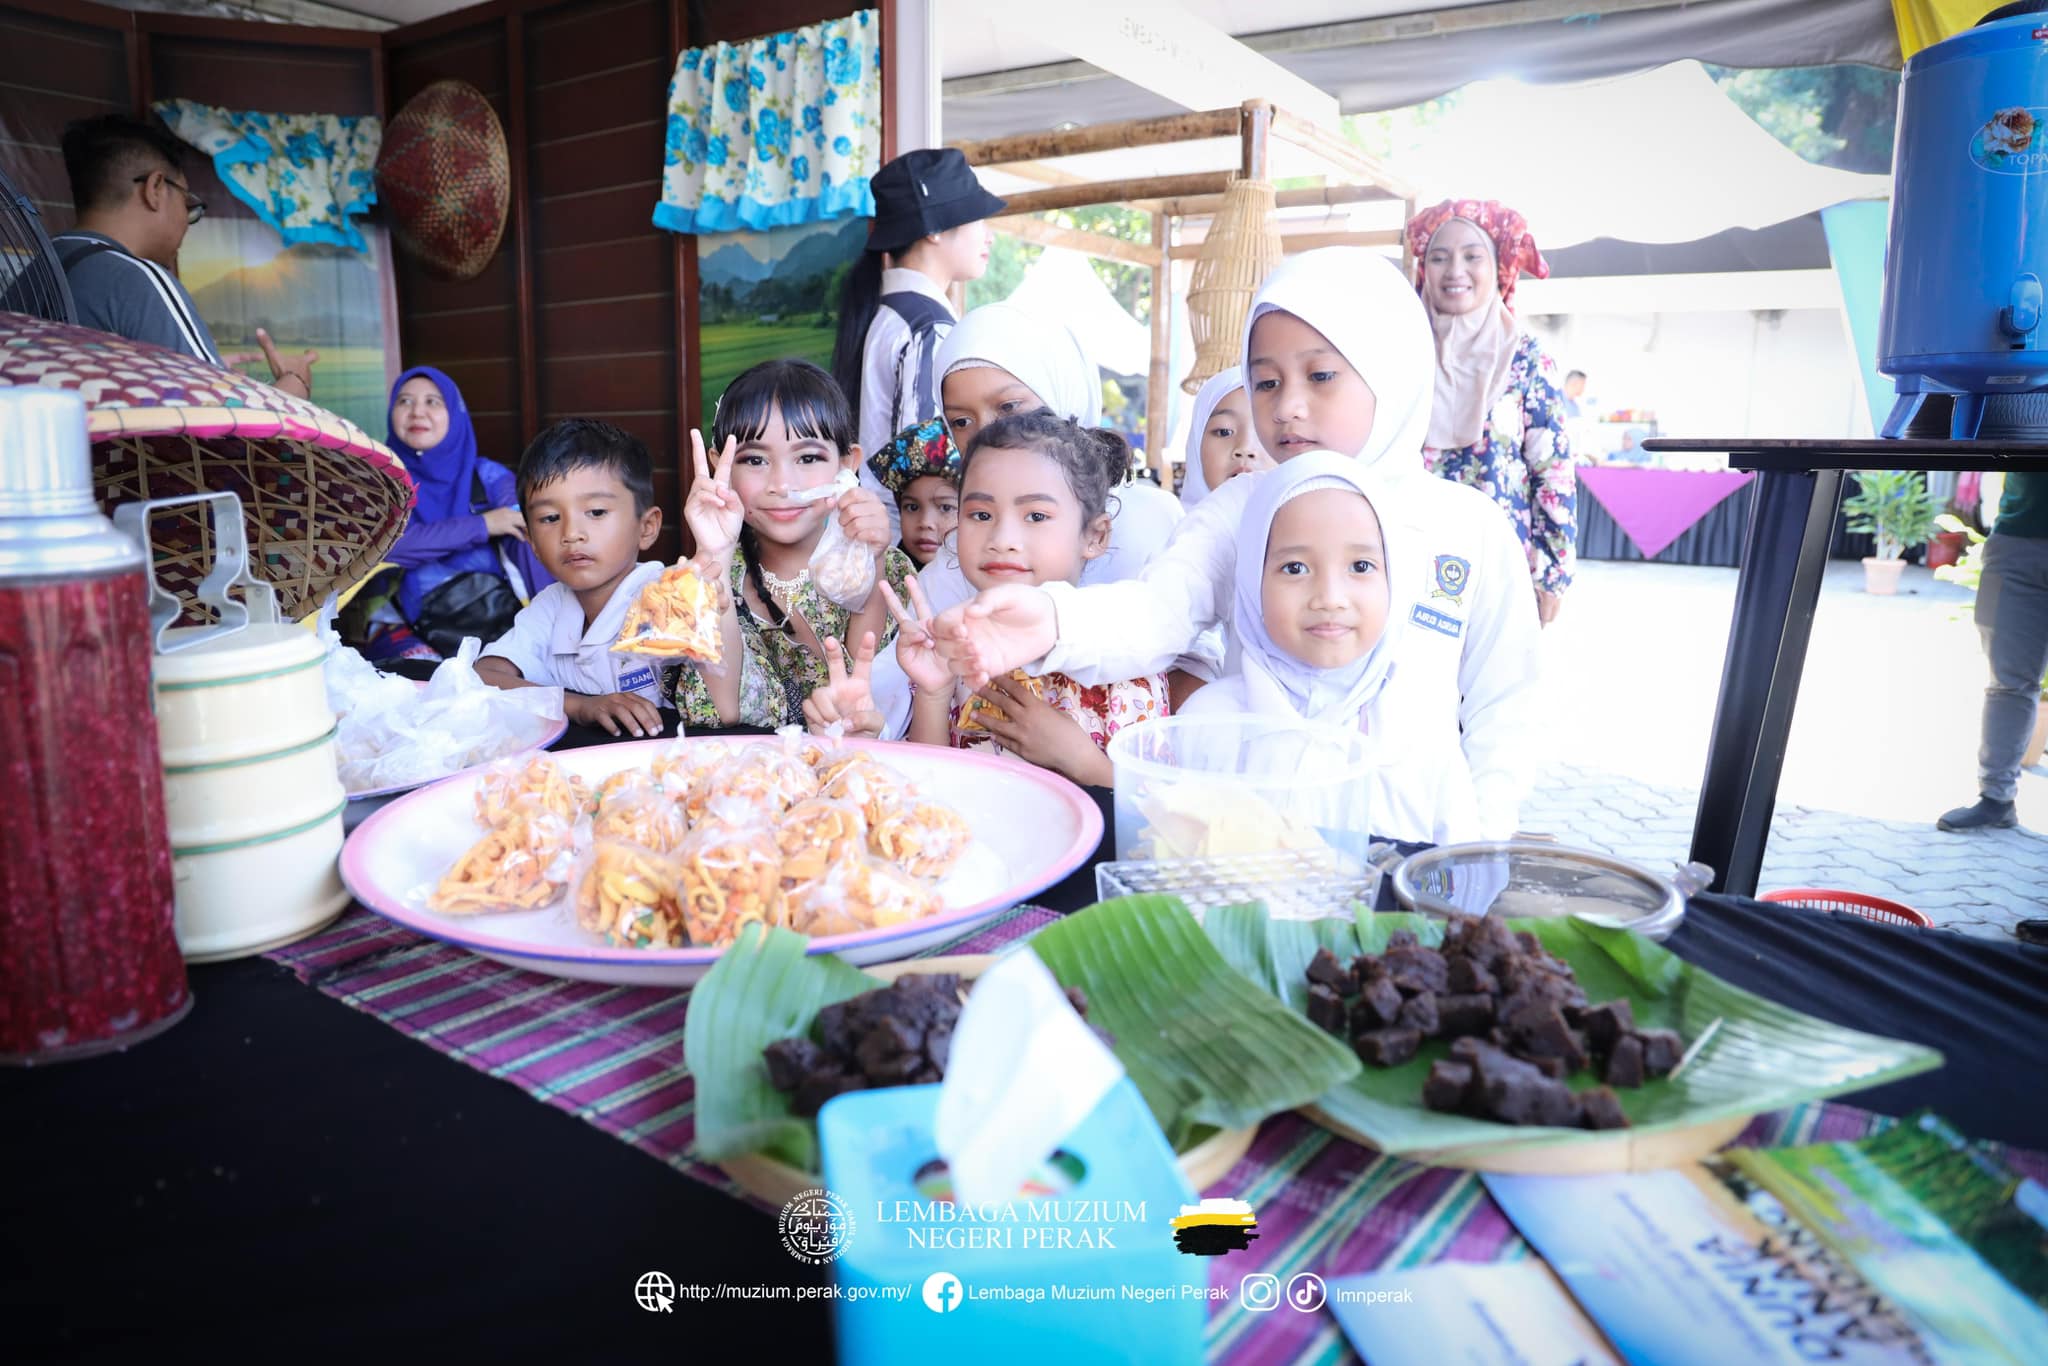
2022,313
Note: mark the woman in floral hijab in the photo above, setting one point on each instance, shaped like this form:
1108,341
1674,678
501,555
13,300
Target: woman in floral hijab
1498,420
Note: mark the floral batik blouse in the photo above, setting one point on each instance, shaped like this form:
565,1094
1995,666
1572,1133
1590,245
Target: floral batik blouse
776,671
1102,710
1523,461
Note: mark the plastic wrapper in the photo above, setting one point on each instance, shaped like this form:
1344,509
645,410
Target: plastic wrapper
812,749
521,864
509,784
856,893
629,894
390,732
683,761
675,618
816,833
726,879
977,707
858,777
841,568
763,775
633,806
924,839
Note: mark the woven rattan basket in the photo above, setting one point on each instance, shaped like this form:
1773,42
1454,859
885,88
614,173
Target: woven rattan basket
1242,246
445,178
321,500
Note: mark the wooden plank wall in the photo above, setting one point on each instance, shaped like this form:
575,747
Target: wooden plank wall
53,70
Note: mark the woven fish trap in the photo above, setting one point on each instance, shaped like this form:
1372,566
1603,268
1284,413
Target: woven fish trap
1242,247
445,177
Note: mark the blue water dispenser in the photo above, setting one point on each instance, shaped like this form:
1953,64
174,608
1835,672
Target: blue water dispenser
1081,1268
1969,230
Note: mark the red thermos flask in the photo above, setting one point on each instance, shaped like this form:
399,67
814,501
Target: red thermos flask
89,957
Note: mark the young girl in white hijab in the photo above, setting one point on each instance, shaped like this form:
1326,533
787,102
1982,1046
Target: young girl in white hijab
1221,443
1338,356
1320,611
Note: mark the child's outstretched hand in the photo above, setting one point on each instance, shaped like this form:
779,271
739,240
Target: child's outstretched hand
617,713
864,520
713,512
1038,732
1003,628
846,697
916,652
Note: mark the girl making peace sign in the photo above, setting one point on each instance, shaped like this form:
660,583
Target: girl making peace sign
782,428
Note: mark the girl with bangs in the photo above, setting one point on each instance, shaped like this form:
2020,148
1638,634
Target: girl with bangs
782,428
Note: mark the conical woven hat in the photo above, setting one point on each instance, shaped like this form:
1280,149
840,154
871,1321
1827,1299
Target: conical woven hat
445,178
321,498
1242,246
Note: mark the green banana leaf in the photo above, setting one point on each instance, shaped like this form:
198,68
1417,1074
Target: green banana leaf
1206,1048
1763,1057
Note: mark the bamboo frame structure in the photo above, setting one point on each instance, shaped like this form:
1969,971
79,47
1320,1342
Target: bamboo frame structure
1171,199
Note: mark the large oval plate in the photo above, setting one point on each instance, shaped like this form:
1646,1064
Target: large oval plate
1031,829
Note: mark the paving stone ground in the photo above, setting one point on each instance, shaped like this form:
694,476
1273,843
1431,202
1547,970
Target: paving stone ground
1883,740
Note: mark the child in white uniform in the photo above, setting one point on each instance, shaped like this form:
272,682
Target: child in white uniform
1338,356
1323,598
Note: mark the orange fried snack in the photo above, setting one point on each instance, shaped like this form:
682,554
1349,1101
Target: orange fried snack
923,839
515,867
642,814
505,788
760,777
816,833
628,895
728,878
675,617
678,767
978,706
885,896
873,786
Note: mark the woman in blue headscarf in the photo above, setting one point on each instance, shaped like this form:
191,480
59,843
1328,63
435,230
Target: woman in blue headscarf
464,552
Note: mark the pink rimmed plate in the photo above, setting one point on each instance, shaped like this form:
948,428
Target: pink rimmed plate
1031,829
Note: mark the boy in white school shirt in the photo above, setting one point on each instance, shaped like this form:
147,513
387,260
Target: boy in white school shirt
588,492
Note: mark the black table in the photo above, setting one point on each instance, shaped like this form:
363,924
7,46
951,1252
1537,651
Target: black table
1785,548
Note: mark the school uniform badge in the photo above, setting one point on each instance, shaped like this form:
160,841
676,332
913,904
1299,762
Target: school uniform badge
1453,576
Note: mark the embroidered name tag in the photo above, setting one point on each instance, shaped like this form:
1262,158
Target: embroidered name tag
1437,621
634,681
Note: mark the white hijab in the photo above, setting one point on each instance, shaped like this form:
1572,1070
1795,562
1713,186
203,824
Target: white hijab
1194,484
1360,301
1276,683
1044,356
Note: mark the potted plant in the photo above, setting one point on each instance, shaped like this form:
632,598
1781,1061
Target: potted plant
1894,507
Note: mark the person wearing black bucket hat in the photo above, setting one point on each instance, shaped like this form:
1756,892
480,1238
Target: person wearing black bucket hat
927,235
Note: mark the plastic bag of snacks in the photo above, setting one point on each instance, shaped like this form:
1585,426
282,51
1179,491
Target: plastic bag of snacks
817,832
858,777
726,878
510,783
634,806
628,893
521,864
922,838
762,776
842,568
855,893
683,761
676,617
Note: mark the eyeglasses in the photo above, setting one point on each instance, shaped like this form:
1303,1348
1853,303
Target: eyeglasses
195,207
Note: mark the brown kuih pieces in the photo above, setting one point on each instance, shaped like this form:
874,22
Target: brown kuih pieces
1517,1021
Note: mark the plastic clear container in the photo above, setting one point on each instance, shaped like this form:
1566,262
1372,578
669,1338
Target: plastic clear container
1221,786
1291,884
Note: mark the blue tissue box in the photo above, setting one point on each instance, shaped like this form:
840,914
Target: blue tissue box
1087,1271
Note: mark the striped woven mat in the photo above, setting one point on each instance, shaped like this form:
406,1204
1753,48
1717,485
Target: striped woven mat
613,1056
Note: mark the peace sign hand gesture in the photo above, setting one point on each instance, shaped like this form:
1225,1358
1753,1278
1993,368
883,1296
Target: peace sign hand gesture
916,651
846,697
713,511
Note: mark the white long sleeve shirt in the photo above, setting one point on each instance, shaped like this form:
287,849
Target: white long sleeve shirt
1474,637
889,381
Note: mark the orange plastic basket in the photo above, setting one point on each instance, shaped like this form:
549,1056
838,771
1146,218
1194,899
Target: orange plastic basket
1850,903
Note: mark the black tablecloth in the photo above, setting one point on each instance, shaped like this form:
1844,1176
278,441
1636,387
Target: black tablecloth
279,1174
1715,539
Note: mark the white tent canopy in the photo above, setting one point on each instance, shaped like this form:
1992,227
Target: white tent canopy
1061,285
1663,156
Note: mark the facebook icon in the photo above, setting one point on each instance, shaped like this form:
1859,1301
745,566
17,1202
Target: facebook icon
942,1292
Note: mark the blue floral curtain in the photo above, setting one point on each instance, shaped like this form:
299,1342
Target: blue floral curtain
774,131
306,175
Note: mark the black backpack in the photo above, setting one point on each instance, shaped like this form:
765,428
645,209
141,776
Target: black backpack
475,603
925,316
